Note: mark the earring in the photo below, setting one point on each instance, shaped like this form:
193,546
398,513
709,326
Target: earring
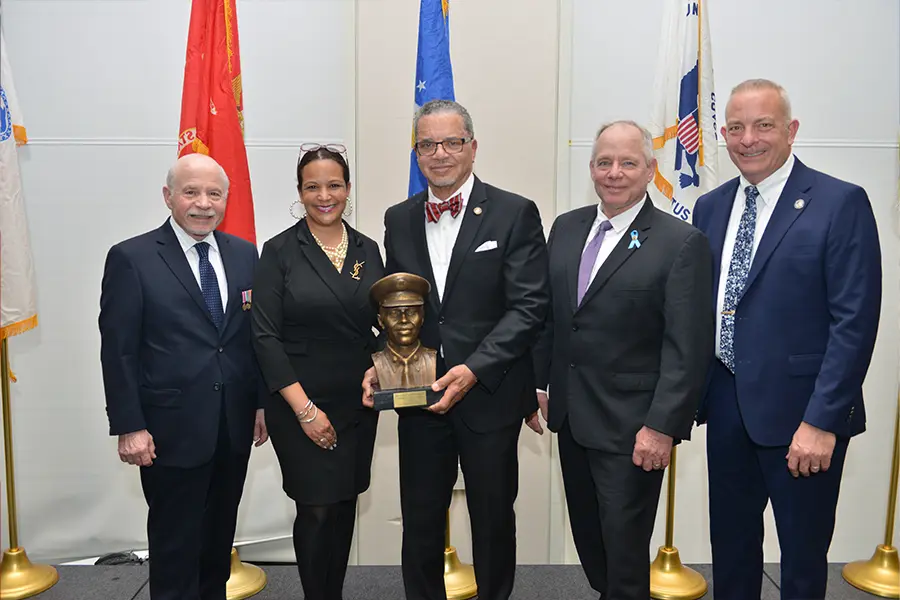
348,209
300,212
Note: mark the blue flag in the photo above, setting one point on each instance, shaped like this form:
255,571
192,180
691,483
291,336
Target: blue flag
434,74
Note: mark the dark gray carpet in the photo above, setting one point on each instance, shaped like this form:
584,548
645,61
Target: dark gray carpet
533,582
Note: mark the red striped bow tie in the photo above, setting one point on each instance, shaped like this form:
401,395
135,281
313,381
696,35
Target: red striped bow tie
434,210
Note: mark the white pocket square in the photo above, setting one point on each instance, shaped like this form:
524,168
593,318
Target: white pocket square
488,245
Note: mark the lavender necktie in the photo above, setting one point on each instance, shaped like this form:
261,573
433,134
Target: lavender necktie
589,257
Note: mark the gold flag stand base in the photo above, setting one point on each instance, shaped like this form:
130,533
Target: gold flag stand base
19,578
245,580
459,579
880,575
671,580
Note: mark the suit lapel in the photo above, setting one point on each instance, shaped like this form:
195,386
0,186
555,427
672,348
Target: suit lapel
718,225
784,215
467,231
352,274
230,263
342,290
573,251
621,253
420,245
170,251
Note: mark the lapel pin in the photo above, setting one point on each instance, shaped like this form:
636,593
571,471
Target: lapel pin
799,203
634,240
477,210
356,267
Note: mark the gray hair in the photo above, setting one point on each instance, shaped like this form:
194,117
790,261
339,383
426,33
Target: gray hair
763,84
172,175
645,135
444,106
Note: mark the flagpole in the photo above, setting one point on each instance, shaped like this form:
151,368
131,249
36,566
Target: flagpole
669,579
19,578
880,575
700,151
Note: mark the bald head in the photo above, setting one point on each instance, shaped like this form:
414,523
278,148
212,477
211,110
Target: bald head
196,192
192,161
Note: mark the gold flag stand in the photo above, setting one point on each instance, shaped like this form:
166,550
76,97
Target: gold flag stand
459,578
669,579
880,575
245,580
19,578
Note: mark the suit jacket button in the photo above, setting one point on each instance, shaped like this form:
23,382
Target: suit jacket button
572,365
221,349
574,327
441,321
217,386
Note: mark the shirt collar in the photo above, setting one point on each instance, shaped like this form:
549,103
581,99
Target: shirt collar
187,242
465,190
770,187
621,220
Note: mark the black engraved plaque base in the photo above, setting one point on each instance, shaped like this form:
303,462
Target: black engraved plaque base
406,398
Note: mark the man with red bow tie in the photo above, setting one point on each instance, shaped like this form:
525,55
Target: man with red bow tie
483,251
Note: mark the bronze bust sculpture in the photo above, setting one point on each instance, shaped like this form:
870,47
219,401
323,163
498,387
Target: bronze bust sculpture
404,364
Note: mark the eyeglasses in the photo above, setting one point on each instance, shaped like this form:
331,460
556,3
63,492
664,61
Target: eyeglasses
451,146
311,147
339,148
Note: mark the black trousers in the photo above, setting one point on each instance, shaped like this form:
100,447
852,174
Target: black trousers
429,448
612,508
322,539
191,523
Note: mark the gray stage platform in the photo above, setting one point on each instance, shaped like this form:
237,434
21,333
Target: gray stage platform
539,582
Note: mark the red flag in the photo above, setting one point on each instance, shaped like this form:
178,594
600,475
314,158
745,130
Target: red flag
212,119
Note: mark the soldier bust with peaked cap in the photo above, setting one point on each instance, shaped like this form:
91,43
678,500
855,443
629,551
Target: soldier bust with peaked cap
404,363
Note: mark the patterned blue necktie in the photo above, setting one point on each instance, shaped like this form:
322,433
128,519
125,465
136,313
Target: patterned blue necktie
737,275
209,285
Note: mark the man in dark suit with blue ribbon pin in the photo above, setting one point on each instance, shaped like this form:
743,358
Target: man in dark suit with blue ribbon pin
625,351
797,271
181,379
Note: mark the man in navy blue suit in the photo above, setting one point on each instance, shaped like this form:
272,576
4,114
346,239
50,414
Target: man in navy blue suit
181,379
797,269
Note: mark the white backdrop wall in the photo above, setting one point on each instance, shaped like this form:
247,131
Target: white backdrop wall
100,85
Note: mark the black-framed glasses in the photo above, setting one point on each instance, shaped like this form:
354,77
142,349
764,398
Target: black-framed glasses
451,145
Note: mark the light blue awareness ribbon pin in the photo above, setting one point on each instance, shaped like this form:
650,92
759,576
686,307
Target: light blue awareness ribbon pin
634,240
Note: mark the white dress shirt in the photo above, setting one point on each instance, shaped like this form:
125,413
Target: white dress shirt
620,224
215,258
769,192
441,236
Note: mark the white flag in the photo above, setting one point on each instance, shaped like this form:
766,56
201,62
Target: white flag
18,298
683,123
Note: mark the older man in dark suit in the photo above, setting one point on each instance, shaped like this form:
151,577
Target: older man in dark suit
625,351
181,379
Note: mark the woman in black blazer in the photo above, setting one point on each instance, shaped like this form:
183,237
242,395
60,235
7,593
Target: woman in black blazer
312,331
